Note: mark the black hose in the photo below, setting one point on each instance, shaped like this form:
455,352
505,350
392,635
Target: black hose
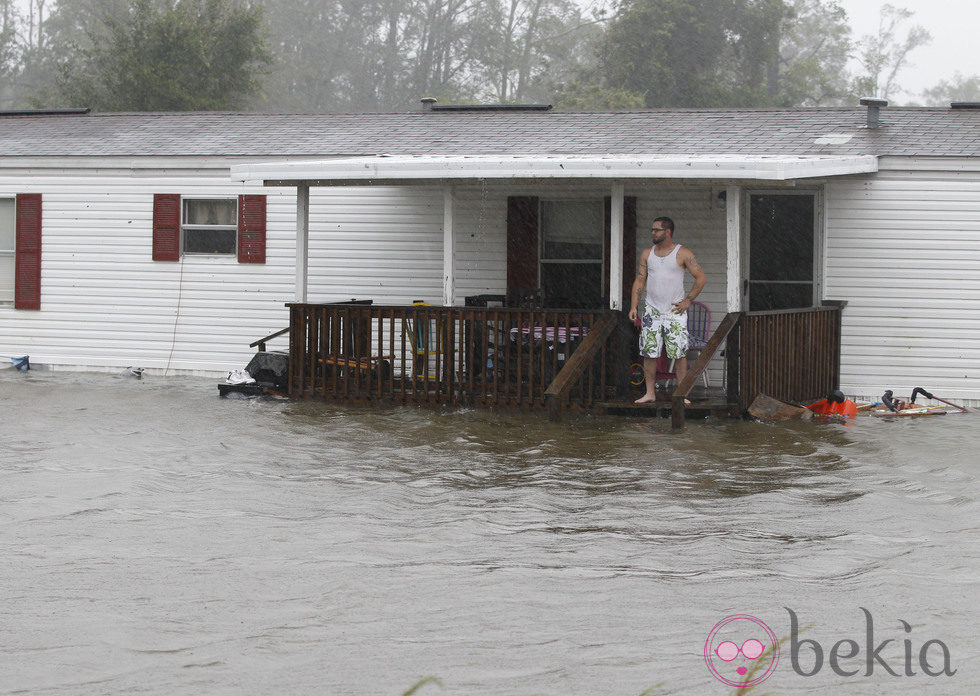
920,390
886,399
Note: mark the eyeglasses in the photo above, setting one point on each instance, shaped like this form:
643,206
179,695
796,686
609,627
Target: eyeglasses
658,229
751,648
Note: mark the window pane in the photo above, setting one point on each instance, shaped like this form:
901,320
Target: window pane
766,296
781,237
572,285
6,277
7,229
572,229
210,241
212,212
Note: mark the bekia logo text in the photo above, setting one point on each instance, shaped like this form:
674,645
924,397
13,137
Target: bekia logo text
845,659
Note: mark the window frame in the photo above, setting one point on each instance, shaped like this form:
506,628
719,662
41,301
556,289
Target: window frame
600,261
185,227
11,253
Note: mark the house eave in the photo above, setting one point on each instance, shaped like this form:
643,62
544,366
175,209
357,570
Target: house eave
383,169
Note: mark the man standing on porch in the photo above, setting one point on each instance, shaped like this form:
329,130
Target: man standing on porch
660,284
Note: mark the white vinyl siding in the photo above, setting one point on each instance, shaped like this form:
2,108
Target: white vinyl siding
381,243
107,304
903,248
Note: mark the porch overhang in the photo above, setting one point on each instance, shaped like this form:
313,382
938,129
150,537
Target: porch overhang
416,169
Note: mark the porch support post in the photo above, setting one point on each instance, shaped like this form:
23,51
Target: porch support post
302,240
616,246
733,223
448,244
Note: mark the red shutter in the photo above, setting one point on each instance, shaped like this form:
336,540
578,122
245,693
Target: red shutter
251,229
166,227
522,243
629,247
27,263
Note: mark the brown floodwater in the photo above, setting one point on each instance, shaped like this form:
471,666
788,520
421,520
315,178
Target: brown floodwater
158,539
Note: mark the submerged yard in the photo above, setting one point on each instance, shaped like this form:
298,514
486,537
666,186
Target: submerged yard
161,540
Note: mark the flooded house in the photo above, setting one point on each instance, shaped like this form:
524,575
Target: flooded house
491,249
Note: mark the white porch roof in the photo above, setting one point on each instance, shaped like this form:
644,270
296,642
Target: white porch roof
381,169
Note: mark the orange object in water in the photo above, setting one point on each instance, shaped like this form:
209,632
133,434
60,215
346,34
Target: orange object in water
826,407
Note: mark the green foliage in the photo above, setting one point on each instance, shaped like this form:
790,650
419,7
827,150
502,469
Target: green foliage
667,50
190,56
578,97
813,54
717,53
962,88
8,38
386,54
883,55
370,55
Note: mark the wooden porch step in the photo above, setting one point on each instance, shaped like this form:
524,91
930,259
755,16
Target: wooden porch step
699,408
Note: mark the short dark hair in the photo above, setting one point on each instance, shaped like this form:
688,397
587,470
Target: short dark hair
667,223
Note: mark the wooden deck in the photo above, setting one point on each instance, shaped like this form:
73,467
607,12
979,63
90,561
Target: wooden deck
547,359
705,403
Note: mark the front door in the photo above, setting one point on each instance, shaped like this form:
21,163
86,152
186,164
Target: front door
782,252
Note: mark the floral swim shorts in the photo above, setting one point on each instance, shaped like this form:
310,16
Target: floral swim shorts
670,327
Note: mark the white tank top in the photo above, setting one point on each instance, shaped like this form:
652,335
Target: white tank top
665,281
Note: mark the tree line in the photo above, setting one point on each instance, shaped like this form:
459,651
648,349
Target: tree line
383,55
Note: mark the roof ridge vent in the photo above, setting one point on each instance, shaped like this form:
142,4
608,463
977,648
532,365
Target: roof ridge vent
431,106
44,112
874,110
964,105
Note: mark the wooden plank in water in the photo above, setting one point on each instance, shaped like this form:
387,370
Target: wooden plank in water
767,408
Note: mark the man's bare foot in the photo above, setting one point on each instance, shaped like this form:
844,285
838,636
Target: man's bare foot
646,399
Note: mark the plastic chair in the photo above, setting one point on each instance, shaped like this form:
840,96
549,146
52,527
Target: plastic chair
425,338
699,330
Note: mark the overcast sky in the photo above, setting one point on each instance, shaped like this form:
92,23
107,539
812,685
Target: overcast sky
953,25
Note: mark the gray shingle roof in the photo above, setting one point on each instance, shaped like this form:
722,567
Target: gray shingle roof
813,131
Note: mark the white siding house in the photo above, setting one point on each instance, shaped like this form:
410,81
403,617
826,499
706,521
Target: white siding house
894,228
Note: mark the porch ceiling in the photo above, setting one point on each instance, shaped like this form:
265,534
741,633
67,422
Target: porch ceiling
402,169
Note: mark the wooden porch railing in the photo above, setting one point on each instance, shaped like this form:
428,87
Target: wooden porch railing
444,355
790,355
557,392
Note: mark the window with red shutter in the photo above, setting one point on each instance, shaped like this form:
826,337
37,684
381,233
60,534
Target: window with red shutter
251,229
209,226
27,276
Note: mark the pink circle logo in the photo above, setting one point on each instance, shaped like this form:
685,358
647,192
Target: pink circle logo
741,650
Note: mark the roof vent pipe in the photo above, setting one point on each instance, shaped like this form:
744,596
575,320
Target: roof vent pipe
427,103
874,110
